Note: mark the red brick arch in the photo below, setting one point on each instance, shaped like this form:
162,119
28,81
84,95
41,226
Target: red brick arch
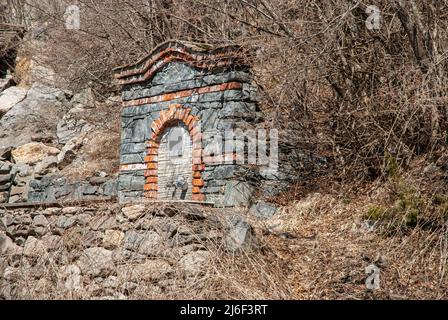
175,114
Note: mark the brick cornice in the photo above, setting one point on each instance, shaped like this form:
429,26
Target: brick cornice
183,94
200,56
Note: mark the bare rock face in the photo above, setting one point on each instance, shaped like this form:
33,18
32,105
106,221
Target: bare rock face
10,97
85,99
6,83
40,106
96,261
71,127
34,248
68,153
33,152
30,71
241,236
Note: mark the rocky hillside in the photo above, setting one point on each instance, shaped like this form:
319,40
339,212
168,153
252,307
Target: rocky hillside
57,144
365,218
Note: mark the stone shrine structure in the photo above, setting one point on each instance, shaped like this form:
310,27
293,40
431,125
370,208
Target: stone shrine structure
178,102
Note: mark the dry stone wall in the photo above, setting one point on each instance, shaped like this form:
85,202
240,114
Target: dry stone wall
6,179
113,252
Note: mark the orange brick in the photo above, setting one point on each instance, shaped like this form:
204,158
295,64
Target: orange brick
151,187
151,173
153,151
173,107
188,121
163,117
171,112
198,167
153,144
198,197
152,166
192,125
196,190
178,114
198,182
156,125
150,158
182,114
197,175
186,115
154,180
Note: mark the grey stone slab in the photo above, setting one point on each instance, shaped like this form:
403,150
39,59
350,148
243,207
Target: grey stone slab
131,183
130,148
132,158
237,193
238,109
264,210
110,188
5,178
5,168
36,196
209,119
5,187
89,190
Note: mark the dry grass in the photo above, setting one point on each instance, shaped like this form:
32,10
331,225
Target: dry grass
101,150
335,244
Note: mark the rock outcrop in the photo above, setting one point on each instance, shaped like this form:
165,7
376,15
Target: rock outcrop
30,113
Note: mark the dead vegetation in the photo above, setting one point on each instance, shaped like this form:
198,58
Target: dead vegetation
372,101
400,225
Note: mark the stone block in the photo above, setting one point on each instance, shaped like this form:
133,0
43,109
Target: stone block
237,193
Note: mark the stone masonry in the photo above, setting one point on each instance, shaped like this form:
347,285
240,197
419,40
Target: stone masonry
206,91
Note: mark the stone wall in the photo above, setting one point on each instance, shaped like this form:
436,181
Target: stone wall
6,179
108,251
52,188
